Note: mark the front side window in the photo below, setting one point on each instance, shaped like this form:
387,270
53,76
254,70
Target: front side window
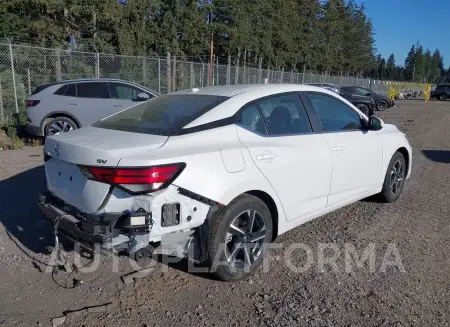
284,115
362,91
165,115
333,114
98,90
124,91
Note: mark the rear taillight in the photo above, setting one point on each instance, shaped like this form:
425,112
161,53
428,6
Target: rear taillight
136,180
32,103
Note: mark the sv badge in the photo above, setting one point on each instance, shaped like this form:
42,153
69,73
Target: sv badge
101,161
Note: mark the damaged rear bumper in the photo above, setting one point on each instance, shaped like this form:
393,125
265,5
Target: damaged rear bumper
107,230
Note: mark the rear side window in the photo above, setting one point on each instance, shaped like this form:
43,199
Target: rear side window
165,115
124,91
252,120
61,90
284,115
71,90
96,90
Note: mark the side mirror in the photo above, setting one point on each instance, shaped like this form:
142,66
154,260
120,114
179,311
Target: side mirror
142,97
368,94
375,123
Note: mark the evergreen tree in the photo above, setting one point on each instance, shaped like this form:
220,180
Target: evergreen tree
390,67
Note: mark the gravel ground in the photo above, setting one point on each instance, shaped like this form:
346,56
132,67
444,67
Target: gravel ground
414,233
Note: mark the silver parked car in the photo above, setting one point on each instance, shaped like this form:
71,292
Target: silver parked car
64,106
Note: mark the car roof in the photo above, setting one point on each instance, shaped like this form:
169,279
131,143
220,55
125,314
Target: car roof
102,79
233,90
240,95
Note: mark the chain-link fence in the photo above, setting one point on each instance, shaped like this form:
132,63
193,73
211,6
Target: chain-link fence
23,68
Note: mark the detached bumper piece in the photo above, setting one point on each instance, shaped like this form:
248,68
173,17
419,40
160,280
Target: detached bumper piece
90,229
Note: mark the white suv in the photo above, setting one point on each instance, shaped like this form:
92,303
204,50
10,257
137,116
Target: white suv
64,106
219,172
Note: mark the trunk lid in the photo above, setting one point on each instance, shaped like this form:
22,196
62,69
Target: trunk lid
89,147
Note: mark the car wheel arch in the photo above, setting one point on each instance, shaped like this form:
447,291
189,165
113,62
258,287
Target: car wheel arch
55,114
382,99
270,203
406,155
270,199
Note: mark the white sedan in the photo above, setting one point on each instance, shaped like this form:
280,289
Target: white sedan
213,174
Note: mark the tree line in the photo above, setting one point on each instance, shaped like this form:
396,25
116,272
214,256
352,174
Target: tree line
331,36
420,66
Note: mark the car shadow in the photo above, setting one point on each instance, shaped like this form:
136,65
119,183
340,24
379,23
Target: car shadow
441,156
20,214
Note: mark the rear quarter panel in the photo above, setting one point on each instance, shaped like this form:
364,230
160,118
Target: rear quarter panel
206,173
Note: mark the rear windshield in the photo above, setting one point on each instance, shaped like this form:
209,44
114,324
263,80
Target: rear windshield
165,115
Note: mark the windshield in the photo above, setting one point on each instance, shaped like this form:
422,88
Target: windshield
165,115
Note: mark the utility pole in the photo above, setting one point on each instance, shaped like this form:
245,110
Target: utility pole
414,71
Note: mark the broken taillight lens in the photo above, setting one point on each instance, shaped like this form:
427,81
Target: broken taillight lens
136,180
32,103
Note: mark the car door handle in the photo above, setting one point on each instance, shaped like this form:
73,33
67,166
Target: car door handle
337,148
72,104
266,156
117,105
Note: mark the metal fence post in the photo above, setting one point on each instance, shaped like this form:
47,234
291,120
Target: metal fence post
174,74
303,75
13,76
29,81
97,65
58,65
1,103
203,73
229,70
192,79
217,70
159,75
169,73
144,69
260,71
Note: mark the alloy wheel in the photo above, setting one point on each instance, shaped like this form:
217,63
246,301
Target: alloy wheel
58,127
397,177
244,239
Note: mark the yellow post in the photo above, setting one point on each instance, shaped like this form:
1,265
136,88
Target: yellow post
391,92
428,93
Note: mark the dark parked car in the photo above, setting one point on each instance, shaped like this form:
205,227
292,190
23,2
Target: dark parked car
441,92
382,102
364,103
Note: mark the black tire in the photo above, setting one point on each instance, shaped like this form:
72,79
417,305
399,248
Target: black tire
222,244
443,97
382,105
387,193
66,125
364,109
